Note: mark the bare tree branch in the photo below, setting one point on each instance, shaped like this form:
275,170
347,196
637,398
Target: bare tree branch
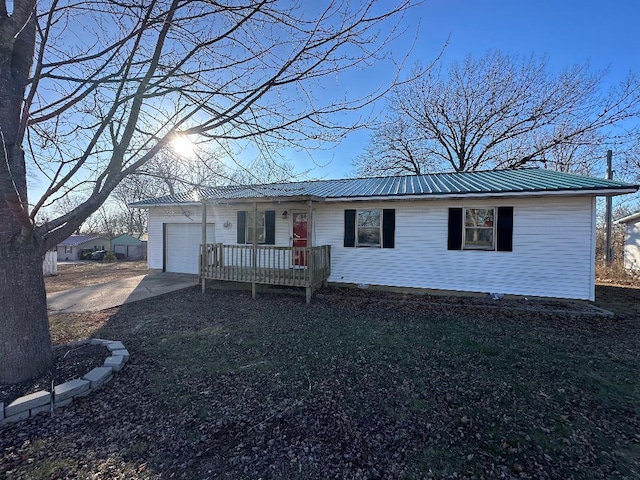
499,111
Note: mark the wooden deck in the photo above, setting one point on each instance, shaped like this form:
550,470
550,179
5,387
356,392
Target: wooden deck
306,267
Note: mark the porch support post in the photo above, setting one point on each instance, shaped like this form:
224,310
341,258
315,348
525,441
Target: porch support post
310,224
203,247
309,254
255,250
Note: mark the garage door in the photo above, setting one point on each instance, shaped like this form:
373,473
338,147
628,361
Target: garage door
134,252
182,244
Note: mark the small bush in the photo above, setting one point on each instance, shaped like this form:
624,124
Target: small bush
110,257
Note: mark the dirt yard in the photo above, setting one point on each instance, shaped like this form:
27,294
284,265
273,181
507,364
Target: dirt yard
83,274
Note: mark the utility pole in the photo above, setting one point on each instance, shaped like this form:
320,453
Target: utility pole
608,252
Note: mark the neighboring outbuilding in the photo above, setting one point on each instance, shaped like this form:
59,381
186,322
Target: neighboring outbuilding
632,240
132,246
73,247
525,232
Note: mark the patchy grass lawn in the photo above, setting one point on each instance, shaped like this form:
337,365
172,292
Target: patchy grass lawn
219,386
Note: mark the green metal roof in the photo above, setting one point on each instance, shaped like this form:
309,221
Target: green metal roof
524,182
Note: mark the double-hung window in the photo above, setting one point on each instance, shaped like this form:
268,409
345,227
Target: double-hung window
473,228
368,228
371,227
259,231
479,228
263,230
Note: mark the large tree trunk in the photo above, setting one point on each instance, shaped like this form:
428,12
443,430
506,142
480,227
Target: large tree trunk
25,343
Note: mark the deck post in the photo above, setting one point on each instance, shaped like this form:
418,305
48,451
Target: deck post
309,250
254,259
203,247
309,291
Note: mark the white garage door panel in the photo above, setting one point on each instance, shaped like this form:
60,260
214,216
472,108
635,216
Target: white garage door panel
134,251
183,246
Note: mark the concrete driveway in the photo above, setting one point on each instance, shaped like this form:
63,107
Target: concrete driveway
114,294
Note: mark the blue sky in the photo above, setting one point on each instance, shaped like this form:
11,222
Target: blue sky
604,33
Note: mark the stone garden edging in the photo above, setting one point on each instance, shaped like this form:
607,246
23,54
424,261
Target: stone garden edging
43,401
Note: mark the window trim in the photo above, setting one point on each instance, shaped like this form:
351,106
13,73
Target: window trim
380,233
491,248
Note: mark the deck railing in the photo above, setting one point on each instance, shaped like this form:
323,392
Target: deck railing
266,264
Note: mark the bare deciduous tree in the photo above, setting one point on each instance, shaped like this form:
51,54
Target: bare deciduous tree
499,111
94,90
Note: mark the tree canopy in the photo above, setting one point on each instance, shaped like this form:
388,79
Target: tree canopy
501,111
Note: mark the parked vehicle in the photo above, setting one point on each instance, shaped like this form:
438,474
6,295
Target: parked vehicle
98,255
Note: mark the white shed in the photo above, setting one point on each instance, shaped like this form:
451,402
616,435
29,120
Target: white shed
632,240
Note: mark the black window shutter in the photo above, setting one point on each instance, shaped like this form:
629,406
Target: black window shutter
242,221
270,227
349,228
454,241
505,229
388,227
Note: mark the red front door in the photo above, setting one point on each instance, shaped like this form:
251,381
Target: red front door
299,237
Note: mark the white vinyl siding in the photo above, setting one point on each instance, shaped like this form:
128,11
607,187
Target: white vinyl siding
553,245
552,249
631,249
224,218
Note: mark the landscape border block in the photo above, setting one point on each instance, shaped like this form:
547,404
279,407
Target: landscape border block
70,389
115,346
63,403
36,403
115,361
16,418
99,376
123,352
27,402
38,410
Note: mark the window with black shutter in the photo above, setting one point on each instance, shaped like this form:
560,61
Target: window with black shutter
370,228
484,228
263,230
